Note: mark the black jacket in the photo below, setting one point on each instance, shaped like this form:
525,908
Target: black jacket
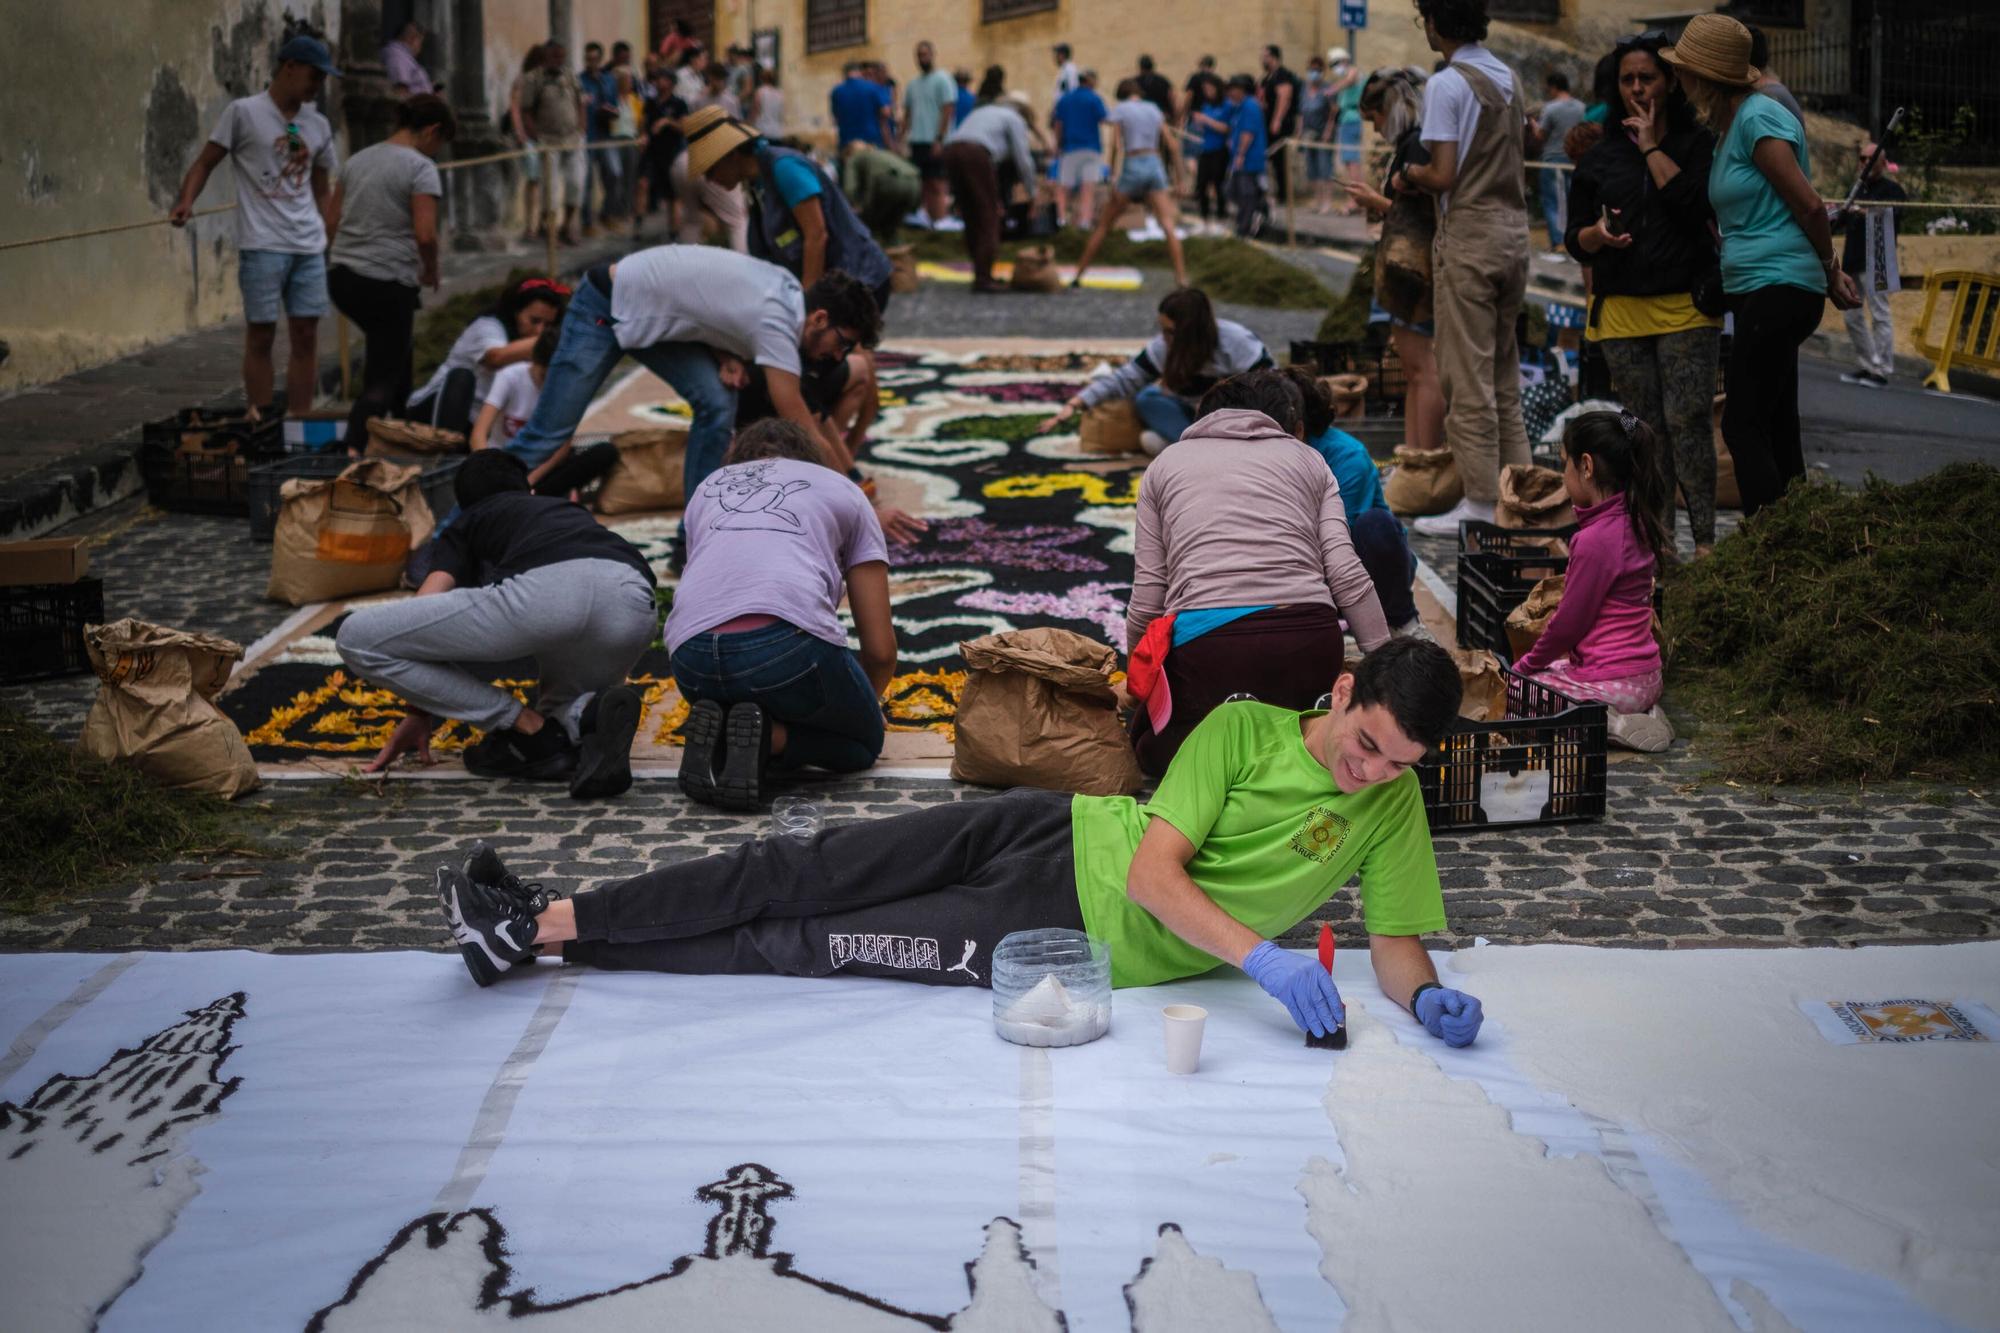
1672,244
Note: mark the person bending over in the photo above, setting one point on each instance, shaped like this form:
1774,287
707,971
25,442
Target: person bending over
1263,816
1192,353
1375,530
511,402
516,575
1243,569
1599,644
698,317
758,646
503,336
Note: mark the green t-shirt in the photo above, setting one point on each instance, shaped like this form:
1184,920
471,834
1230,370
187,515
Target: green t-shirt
1762,243
1273,837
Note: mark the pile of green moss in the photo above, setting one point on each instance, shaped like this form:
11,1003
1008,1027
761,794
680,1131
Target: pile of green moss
70,822
1849,634
1232,272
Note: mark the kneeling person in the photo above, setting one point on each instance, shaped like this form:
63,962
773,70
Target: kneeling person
1264,814
755,633
517,575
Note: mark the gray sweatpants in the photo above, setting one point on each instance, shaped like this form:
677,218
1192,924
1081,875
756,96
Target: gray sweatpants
584,622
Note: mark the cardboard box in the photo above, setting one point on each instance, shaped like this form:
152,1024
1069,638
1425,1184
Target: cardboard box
53,560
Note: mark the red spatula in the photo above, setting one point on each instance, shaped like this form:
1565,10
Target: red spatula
1335,1040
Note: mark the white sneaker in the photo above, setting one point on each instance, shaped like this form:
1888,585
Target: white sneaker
1648,732
1415,629
1152,442
1446,524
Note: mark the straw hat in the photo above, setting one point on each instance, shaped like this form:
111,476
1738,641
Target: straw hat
1019,100
1339,56
713,134
1716,47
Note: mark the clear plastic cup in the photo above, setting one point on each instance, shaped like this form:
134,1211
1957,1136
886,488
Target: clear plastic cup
795,817
1051,988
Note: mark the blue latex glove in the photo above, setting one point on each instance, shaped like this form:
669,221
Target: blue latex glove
1299,983
1452,1016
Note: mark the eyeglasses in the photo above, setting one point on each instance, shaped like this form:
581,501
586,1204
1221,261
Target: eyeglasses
1650,40
847,344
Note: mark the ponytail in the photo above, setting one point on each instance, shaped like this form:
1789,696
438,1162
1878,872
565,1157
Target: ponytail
1627,459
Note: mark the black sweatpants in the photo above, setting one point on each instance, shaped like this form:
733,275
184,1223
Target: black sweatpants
919,897
386,314
1760,422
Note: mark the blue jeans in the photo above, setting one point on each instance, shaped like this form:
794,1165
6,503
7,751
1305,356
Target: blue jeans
1384,549
1166,414
1554,196
833,719
585,358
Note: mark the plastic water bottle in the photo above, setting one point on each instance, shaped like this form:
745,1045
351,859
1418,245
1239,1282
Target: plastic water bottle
795,817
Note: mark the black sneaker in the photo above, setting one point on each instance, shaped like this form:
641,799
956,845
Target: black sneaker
484,867
704,748
604,762
746,752
493,932
546,756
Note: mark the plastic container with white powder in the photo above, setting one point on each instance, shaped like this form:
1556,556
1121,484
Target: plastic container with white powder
1051,988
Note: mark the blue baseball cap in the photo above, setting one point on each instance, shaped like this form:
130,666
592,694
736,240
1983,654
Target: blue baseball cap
307,50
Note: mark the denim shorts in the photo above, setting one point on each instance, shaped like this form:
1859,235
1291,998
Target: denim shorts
1141,175
271,279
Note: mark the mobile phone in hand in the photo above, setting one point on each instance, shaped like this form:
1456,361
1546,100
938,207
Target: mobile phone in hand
1613,221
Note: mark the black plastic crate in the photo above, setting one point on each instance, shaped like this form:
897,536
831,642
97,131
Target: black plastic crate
1496,572
1543,764
197,462
268,479
41,628
1376,362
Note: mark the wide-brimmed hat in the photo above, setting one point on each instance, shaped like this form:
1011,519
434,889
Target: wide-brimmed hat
713,134
1019,100
1716,47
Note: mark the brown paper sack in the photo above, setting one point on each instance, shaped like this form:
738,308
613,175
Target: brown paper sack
389,438
902,268
1526,622
1484,689
1035,270
648,473
1532,497
1039,710
1423,481
348,534
1110,428
1350,394
156,710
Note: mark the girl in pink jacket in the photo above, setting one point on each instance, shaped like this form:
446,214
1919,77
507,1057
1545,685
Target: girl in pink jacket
1599,644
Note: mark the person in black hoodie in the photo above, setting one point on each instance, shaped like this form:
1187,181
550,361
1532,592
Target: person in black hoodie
1639,217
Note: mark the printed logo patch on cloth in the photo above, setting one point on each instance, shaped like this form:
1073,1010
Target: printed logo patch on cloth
1319,838
1853,1022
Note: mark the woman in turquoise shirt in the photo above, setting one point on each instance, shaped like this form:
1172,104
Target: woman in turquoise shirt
1779,267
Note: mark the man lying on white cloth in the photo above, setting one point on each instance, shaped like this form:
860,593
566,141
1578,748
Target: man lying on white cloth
1262,816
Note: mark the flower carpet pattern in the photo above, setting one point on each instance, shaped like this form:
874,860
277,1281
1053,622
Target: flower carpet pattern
1025,530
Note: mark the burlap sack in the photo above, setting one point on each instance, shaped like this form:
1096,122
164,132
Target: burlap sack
1110,428
1484,689
350,534
648,473
1038,710
156,710
1526,622
1423,481
390,438
1532,497
1035,270
1349,392
902,268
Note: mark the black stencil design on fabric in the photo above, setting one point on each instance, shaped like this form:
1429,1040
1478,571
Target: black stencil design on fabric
751,501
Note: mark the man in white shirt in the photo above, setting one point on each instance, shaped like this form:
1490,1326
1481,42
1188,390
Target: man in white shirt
1067,74
1474,118
282,151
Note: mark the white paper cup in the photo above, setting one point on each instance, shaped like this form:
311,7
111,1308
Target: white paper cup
1183,1024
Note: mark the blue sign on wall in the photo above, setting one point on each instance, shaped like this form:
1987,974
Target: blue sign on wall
1354,14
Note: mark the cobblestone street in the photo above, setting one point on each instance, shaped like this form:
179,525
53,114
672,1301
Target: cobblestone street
1679,861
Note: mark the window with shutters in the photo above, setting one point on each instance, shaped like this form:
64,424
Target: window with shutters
993,11
831,24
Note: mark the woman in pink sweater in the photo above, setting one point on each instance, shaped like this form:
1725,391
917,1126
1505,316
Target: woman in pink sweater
1599,644
1244,568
